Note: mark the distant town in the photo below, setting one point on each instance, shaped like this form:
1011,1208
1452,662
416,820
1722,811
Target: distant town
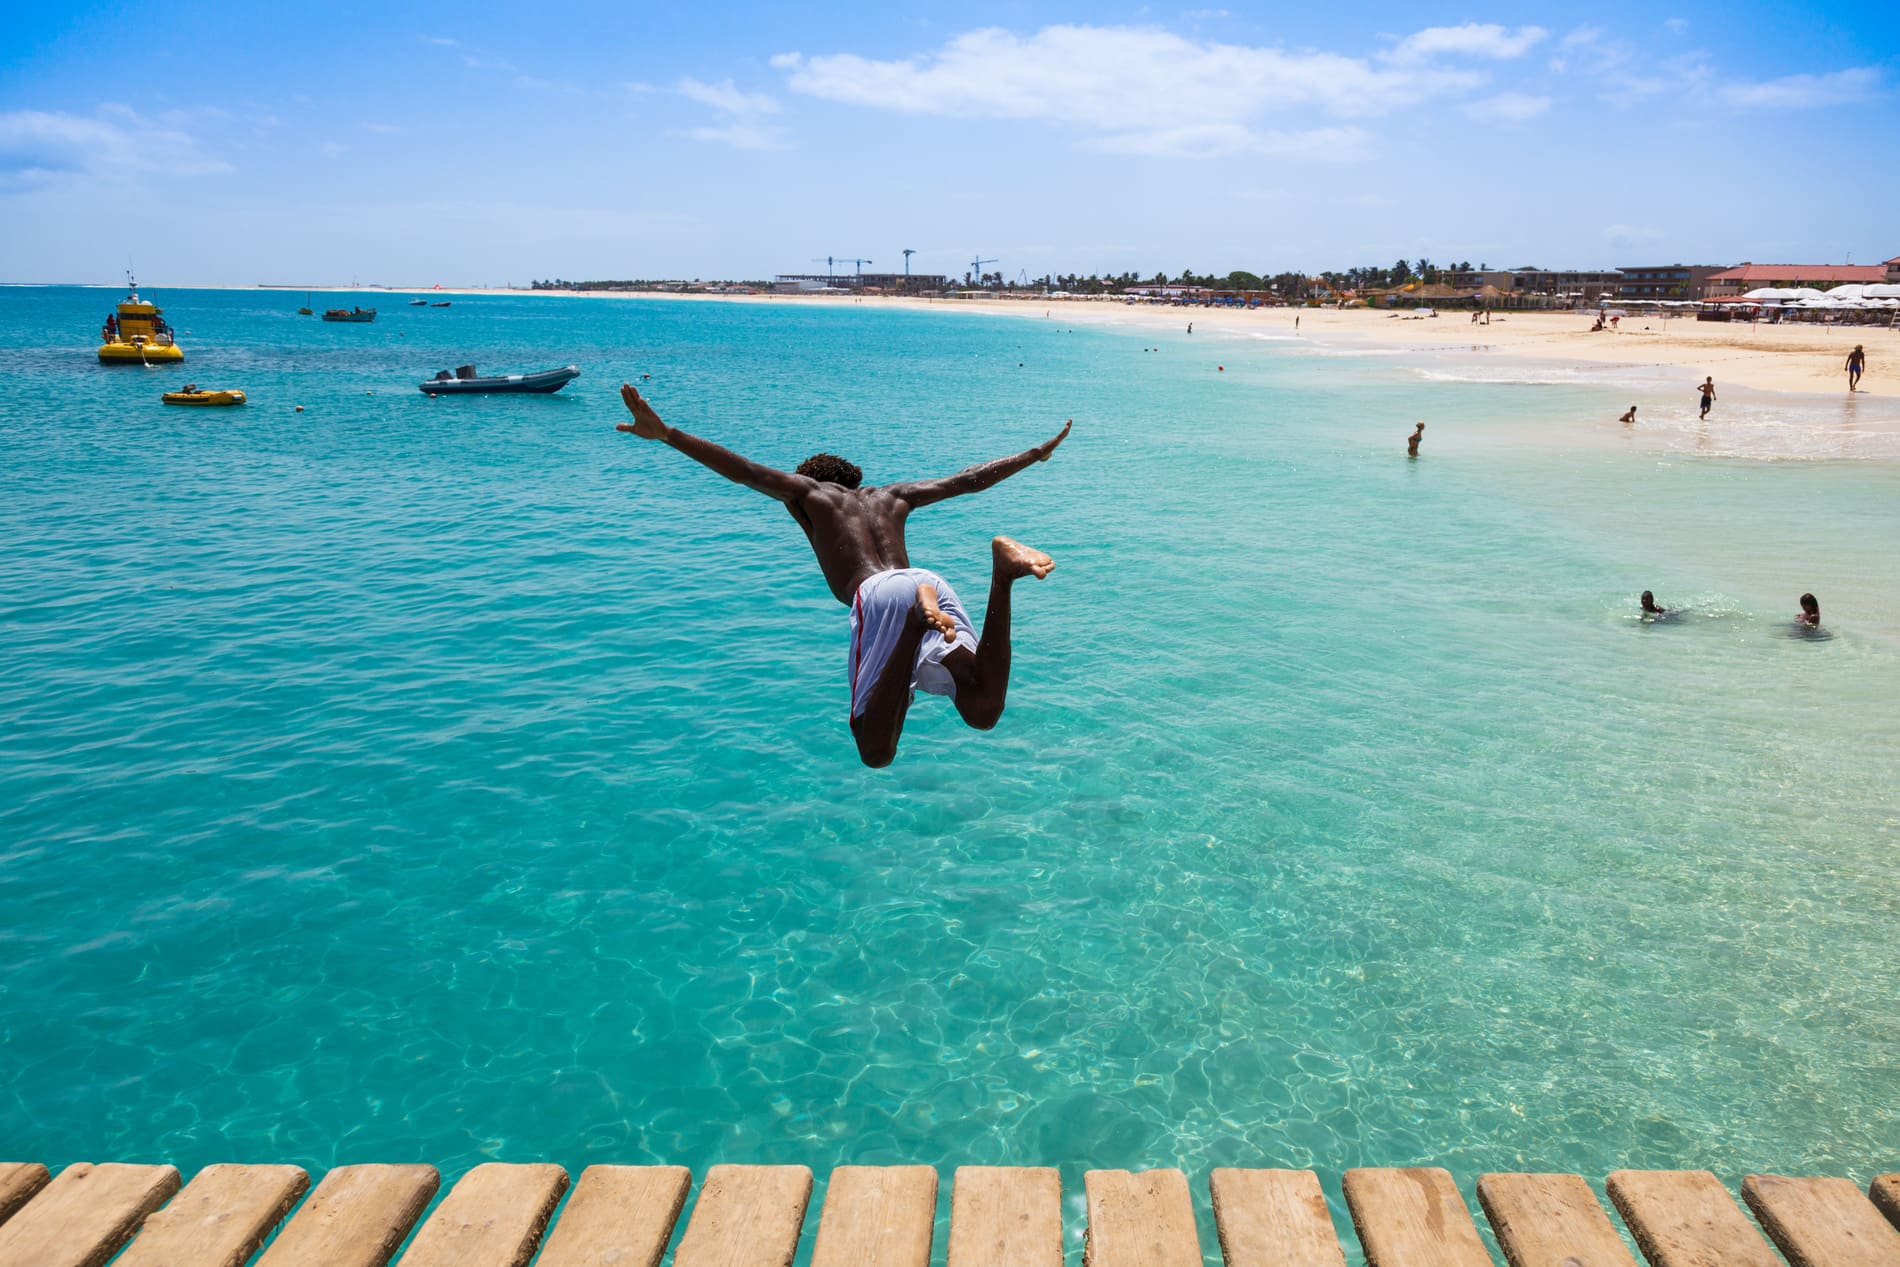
1405,282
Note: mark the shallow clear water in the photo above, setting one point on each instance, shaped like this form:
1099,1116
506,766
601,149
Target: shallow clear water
446,780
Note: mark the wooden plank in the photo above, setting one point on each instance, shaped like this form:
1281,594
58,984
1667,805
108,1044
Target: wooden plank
220,1218
1822,1222
746,1216
1550,1221
493,1217
82,1217
1686,1218
1143,1219
1006,1216
19,1180
1884,1192
1413,1217
619,1216
1273,1218
877,1216
356,1218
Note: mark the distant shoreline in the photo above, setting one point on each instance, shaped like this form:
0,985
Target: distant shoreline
1795,358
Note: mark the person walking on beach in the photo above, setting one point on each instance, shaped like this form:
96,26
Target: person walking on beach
1708,394
1856,362
909,631
1411,441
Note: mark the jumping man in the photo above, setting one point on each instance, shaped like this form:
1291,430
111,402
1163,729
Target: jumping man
908,629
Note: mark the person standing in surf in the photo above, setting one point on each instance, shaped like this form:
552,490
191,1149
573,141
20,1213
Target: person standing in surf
909,631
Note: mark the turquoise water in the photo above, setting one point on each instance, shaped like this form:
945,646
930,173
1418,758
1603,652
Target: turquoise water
449,780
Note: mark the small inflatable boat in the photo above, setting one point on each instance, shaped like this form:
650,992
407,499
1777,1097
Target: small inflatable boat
193,396
465,382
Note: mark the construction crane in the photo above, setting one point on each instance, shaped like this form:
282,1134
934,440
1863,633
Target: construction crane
849,259
976,268
908,252
828,262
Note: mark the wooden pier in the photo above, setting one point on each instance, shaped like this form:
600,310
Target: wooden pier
885,1216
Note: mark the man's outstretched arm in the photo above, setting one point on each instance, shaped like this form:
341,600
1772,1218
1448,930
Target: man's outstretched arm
783,485
974,479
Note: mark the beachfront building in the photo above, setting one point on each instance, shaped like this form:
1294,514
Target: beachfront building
1893,269
1479,278
1746,277
1589,286
1192,293
854,283
1665,281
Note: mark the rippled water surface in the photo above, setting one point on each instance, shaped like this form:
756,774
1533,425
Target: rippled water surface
445,780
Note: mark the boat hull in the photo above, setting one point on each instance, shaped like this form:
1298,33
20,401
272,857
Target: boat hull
203,399
359,315
140,354
500,384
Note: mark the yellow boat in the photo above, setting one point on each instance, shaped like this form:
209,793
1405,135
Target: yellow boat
137,334
192,396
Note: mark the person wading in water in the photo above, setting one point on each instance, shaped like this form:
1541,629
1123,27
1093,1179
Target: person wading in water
908,628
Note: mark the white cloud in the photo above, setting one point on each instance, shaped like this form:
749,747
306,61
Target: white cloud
442,41
1677,25
1855,86
744,126
1473,39
726,97
41,147
1140,89
1630,235
384,129
330,149
1507,107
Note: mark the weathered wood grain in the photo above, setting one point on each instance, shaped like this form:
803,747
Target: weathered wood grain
1139,1219
1413,1217
220,1218
84,1215
619,1216
1005,1216
19,1180
356,1217
1822,1222
746,1216
1273,1218
493,1217
877,1216
1550,1221
1686,1218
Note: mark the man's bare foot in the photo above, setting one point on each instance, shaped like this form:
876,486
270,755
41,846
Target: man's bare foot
1014,559
933,615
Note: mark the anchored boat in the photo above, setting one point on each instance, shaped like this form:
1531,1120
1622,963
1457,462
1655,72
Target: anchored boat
192,395
349,314
465,382
136,333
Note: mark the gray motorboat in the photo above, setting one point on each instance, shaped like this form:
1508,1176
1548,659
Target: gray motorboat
465,382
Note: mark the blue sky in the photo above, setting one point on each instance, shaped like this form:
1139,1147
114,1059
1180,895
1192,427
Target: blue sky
480,143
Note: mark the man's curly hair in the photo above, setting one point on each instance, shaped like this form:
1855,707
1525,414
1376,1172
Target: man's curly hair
832,469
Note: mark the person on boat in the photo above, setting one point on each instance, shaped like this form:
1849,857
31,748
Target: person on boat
909,630
112,326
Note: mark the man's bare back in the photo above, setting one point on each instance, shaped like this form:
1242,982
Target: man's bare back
855,532
858,535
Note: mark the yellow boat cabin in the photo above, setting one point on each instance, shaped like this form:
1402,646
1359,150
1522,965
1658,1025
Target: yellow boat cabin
137,333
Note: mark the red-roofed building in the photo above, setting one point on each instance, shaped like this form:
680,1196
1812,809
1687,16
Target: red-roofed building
1893,269
1746,277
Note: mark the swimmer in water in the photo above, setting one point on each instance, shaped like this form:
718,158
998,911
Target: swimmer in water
1629,417
1810,614
1411,441
1650,607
